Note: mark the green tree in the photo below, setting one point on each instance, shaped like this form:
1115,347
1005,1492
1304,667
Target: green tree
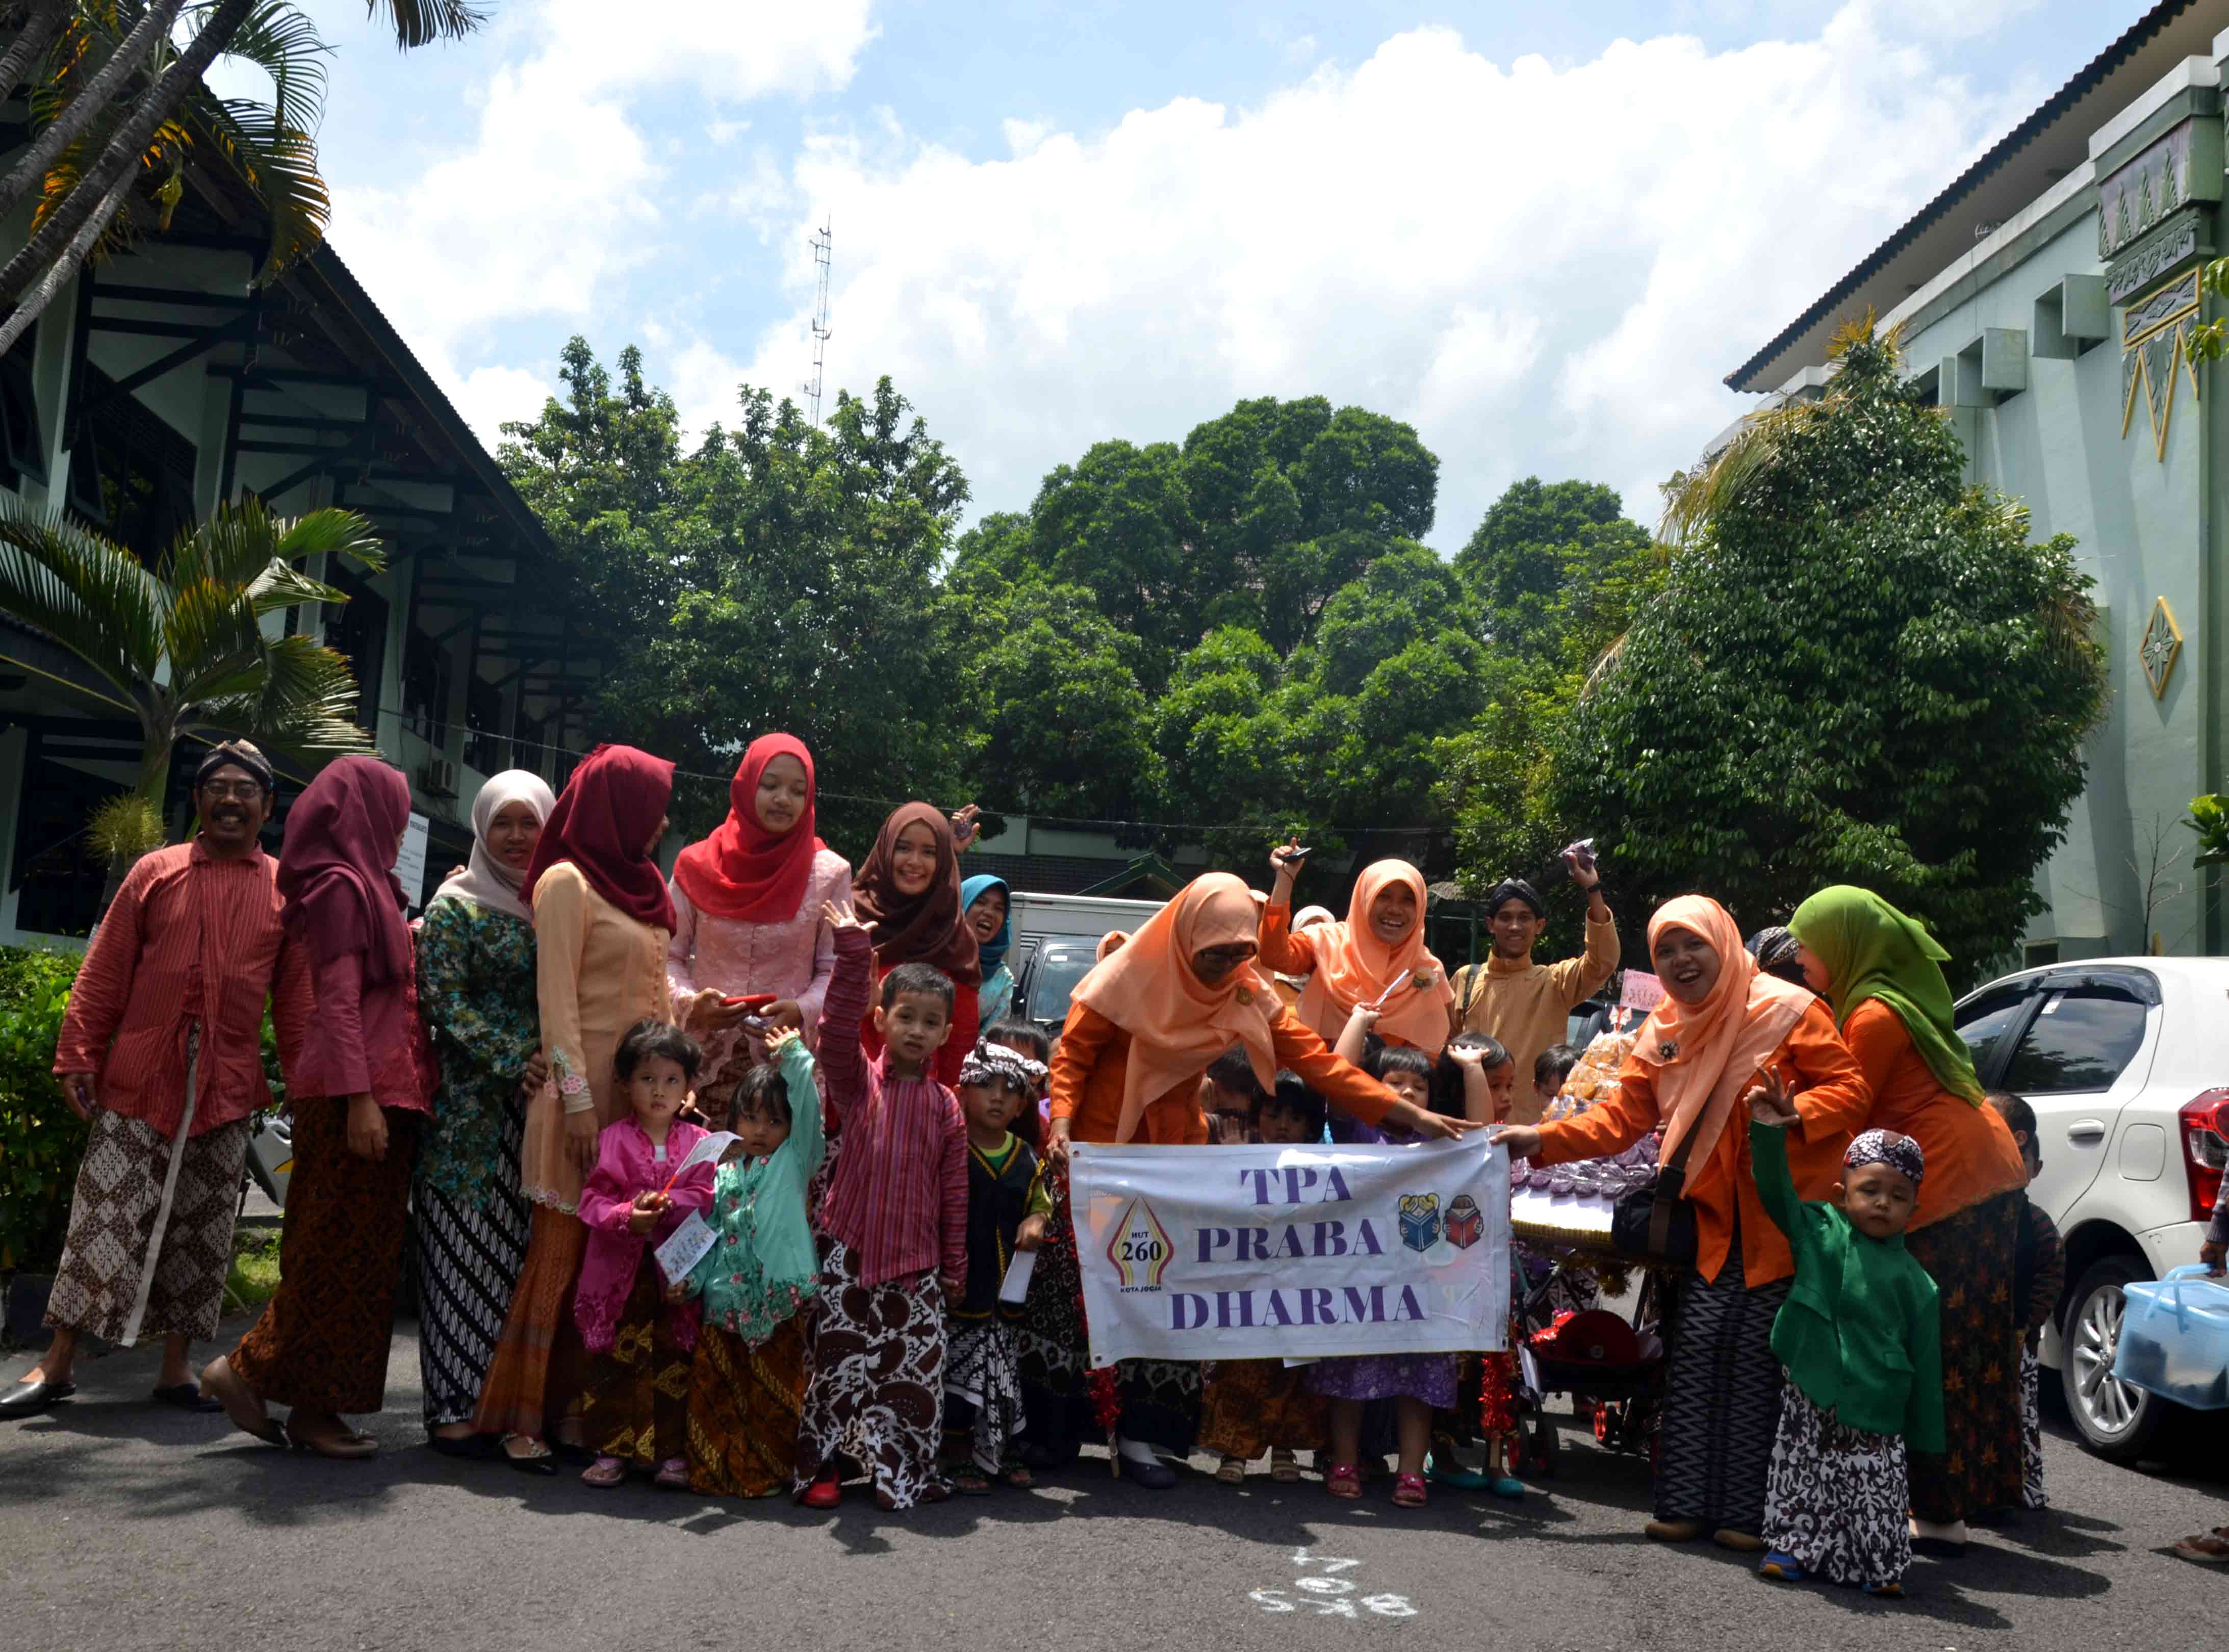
779,575
1857,670
183,646
1542,549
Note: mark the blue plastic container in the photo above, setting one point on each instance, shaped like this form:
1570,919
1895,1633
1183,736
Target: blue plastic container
2175,1339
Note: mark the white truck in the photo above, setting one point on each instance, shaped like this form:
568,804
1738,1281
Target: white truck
1056,942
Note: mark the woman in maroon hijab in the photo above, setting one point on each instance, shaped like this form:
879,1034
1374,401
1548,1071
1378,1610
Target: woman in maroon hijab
907,893
602,922
321,1344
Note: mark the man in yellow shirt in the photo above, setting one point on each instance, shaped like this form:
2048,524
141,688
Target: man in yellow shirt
1525,1005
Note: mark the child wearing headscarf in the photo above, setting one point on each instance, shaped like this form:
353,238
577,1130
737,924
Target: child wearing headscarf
362,1092
1007,1209
1377,958
908,895
746,903
1860,1339
988,905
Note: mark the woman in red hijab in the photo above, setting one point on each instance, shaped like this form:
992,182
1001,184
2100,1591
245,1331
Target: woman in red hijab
602,921
321,1344
908,893
747,905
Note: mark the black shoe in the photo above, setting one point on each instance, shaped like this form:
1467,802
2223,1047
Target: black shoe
29,1398
185,1397
1153,1477
472,1447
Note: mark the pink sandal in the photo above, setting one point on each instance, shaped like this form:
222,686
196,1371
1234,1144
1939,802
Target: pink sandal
672,1474
604,1471
1343,1480
1409,1491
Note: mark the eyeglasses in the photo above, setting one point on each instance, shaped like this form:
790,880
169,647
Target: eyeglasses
243,791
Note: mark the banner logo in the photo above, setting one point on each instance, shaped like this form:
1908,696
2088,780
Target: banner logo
1466,1222
1420,1221
1140,1248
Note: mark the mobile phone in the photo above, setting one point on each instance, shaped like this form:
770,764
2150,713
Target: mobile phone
1292,856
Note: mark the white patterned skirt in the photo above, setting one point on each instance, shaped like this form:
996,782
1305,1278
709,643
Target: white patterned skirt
1837,1498
2030,1430
982,1368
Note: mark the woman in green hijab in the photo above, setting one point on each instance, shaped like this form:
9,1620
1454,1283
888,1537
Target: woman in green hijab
1883,974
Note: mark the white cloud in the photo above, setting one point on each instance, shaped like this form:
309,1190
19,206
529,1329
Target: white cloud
1547,269
557,195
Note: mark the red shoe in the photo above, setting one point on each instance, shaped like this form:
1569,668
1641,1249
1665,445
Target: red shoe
824,1493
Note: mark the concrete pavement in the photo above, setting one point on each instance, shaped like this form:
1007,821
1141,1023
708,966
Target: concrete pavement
126,1525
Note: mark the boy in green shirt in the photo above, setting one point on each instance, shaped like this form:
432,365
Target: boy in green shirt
1860,1339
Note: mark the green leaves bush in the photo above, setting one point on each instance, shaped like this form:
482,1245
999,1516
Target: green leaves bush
41,1140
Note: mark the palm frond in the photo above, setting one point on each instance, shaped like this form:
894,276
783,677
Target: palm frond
1699,496
280,585
336,532
82,592
282,40
303,707
417,22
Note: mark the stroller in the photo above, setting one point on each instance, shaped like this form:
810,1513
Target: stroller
1612,1369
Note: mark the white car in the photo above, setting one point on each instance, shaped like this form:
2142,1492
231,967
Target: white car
2123,1060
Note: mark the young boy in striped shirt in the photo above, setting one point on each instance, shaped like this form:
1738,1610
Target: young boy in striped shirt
895,1216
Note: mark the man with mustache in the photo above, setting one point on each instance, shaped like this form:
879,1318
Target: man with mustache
162,1051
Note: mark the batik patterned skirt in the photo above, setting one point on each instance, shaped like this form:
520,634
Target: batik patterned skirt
875,1392
2031,1429
636,1405
745,1404
150,1238
1248,1406
1428,1377
1835,1499
1721,1402
1971,1256
1050,1344
322,1340
983,1375
537,1369
468,1257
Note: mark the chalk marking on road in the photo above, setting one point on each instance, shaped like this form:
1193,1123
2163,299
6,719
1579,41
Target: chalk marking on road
1332,1595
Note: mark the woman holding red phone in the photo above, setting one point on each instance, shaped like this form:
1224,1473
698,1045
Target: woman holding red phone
749,951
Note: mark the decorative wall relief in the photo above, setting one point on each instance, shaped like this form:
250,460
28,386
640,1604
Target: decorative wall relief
2161,647
2143,192
2154,335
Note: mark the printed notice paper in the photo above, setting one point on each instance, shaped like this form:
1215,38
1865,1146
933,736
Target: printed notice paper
1292,1253
1016,1285
686,1247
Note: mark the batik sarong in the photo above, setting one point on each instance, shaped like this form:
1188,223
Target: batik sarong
876,1394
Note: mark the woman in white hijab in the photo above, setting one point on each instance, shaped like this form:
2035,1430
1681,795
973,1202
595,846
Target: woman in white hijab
476,994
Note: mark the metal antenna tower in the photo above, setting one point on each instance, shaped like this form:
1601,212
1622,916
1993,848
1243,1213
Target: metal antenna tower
823,243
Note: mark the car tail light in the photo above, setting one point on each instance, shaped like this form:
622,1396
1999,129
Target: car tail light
2205,1119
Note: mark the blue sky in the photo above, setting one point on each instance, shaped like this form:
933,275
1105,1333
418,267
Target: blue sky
1540,233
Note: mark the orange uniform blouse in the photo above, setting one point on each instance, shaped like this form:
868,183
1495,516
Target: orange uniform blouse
1093,1059
1831,1098
1969,1150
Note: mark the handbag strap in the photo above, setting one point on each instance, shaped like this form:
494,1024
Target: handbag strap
1668,1182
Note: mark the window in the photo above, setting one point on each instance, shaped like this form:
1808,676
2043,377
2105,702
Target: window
427,669
2079,1041
58,882
1055,974
358,629
1988,1017
132,476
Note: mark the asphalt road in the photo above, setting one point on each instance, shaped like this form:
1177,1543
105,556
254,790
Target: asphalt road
124,1526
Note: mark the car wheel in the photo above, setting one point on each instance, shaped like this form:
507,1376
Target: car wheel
2116,1419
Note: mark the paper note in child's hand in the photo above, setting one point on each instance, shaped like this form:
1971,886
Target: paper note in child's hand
715,1143
686,1247
1017,1285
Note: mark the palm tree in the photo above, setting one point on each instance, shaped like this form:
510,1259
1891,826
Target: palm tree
115,97
183,646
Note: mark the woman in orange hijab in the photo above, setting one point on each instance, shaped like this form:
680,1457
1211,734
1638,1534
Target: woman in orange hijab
1141,1028
1377,956
1724,1032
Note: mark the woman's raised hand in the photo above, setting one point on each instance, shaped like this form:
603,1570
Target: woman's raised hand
963,825
1286,859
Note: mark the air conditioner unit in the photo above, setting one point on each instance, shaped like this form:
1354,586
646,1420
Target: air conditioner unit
437,777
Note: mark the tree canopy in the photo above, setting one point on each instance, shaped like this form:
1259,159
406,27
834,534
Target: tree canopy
1859,670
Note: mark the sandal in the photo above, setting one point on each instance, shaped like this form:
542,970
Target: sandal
1231,1471
824,1493
604,1471
1018,1475
2209,1550
968,1480
535,1459
1784,1567
1343,1480
672,1474
1409,1491
1284,1467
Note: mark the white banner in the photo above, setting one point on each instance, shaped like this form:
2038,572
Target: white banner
1249,1253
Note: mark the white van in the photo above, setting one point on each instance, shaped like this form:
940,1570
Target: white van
1056,942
